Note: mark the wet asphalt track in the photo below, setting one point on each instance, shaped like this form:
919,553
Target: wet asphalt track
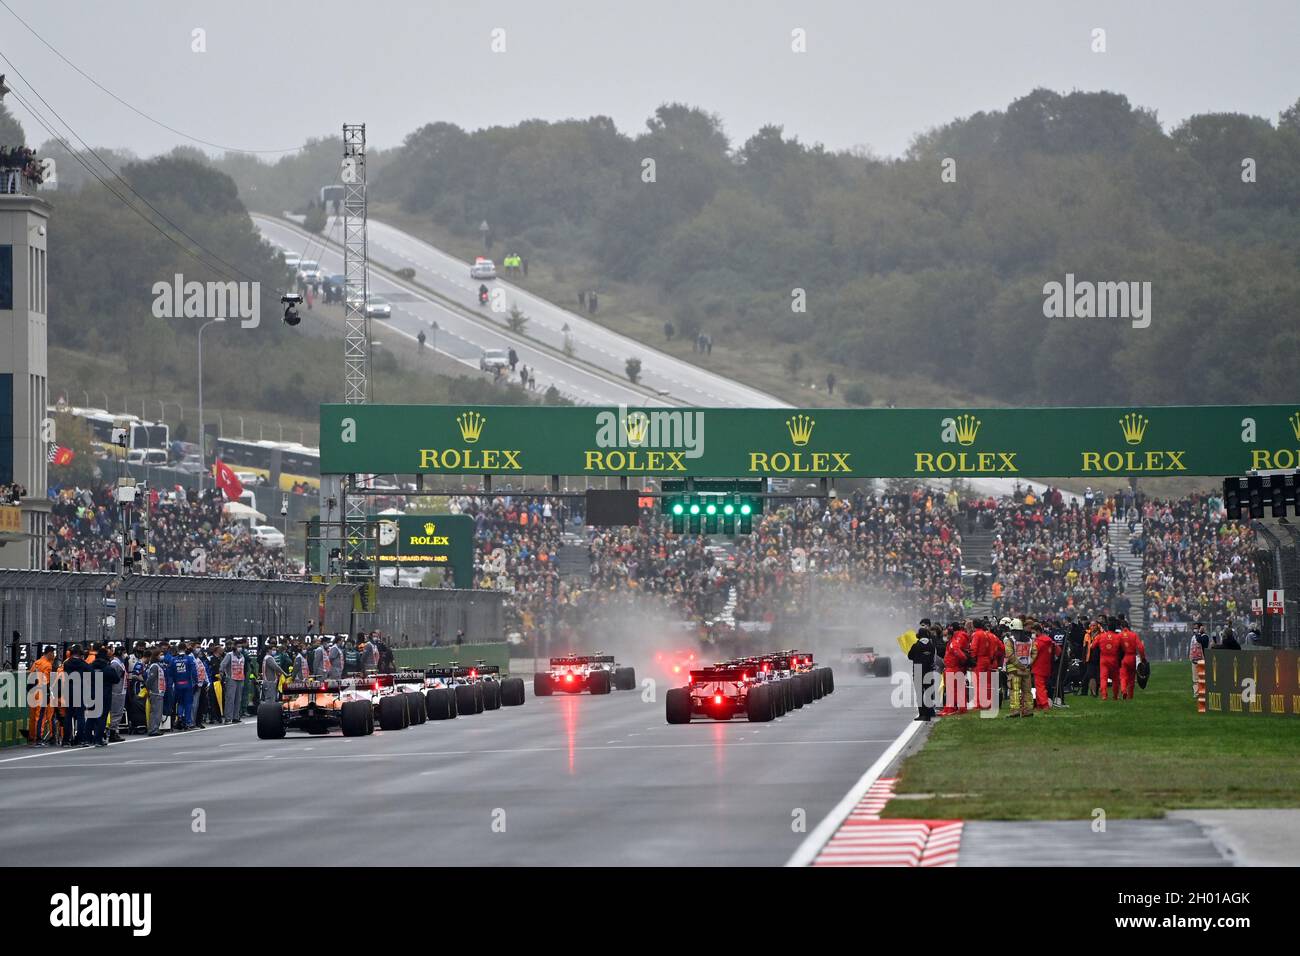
574,780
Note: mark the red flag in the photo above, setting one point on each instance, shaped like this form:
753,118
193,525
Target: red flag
61,456
227,480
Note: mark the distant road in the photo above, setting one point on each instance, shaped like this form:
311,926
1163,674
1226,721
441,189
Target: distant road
597,376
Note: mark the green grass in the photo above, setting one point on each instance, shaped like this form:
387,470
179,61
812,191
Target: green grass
1135,758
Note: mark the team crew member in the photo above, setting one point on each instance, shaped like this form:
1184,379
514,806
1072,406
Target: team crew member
1021,655
75,723
1092,658
1046,651
119,682
334,660
983,648
301,669
105,679
921,654
40,718
202,687
271,674
1109,652
155,682
1132,649
233,666
182,681
369,655
955,661
319,658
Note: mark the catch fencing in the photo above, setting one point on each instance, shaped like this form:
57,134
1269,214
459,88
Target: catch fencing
66,607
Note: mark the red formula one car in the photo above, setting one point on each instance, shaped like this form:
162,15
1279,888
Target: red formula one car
724,691
575,673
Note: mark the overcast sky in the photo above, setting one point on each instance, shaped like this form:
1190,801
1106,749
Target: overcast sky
276,72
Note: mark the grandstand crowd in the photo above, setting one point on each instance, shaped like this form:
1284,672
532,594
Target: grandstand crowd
171,532
1048,554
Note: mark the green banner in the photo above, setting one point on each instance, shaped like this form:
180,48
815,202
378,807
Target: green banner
1097,443
1252,682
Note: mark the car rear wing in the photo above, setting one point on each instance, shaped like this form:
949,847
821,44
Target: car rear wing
709,674
461,670
312,687
582,659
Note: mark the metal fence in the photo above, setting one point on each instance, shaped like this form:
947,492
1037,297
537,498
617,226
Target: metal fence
63,607
57,607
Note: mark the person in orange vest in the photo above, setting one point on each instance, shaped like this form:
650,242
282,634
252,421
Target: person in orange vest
1046,652
956,658
1109,652
1133,649
40,717
984,648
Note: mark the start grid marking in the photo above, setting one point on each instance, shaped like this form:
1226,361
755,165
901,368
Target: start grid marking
863,839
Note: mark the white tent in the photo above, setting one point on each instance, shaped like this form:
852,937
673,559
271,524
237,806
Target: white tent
241,512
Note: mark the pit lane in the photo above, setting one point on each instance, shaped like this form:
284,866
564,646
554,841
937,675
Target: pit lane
561,780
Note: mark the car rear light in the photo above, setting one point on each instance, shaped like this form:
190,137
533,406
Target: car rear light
568,678
677,668
717,699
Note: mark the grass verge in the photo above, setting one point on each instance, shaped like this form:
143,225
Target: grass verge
1135,758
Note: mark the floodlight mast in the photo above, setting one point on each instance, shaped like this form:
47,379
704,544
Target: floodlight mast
356,335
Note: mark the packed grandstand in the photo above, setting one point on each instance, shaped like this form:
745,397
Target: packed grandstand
1047,554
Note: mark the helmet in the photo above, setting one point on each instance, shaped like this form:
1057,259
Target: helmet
1016,625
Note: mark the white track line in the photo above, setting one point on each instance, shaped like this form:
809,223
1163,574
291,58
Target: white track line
822,833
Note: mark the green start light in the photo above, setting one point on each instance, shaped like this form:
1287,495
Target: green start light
744,509
728,508
695,509
712,509
677,508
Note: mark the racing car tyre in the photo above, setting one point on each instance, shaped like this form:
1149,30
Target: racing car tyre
883,667
416,701
512,691
830,680
270,720
818,683
789,695
355,717
625,678
677,704
798,686
541,685
440,704
491,695
598,683
779,697
758,706
468,700
392,713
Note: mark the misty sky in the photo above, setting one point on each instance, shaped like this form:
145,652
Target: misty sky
279,71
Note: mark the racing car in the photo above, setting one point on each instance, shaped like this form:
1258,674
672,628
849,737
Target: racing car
473,688
394,705
866,661
723,691
316,707
575,673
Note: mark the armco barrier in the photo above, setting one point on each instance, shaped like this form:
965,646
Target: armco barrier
497,654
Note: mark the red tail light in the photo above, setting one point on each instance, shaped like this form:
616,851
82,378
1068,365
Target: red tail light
794,662
568,678
717,698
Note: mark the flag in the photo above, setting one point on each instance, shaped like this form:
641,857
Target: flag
58,455
227,480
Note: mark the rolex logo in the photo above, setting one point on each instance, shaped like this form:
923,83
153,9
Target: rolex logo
471,426
800,427
638,428
1295,425
429,527
1135,426
968,426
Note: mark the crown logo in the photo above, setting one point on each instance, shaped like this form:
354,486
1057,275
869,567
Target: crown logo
429,527
1295,425
800,427
1135,426
471,426
968,426
638,428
